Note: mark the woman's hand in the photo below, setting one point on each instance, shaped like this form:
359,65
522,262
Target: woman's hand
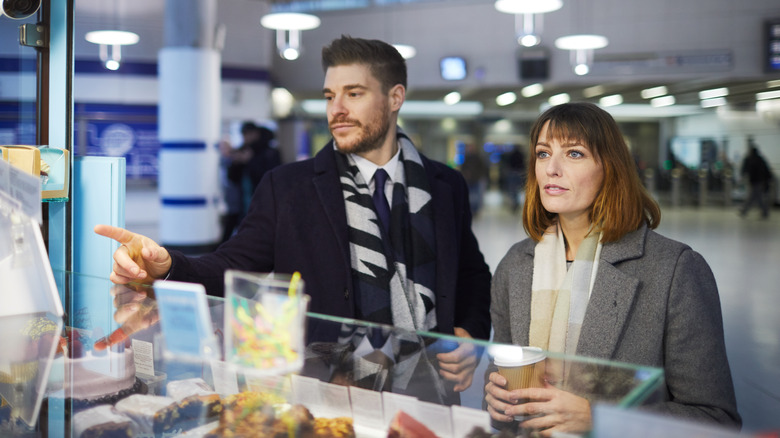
549,409
497,398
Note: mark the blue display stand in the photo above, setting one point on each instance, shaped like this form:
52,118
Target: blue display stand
98,198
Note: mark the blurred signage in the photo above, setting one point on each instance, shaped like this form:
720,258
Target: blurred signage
128,131
664,62
772,41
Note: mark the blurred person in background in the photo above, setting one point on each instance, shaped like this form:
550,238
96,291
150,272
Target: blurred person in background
513,175
759,177
475,171
244,167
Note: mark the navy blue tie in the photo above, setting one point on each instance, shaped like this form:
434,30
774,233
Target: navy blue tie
380,200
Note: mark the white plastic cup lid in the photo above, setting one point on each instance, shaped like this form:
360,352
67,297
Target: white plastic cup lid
514,356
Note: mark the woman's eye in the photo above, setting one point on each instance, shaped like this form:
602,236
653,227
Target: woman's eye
576,154
542,154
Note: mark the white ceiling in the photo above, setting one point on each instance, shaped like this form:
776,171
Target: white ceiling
721,42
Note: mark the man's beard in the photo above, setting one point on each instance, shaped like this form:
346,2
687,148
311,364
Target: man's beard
371,137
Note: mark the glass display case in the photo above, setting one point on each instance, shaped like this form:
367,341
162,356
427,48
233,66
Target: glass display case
352,375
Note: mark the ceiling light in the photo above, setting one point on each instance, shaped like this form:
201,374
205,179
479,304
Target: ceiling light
406,51
559,99
115,39
596,90
290,21
112,37
711,103
715,92
503,126
527,6
581,42
411,108
505,99
527,25
532,90
662,101
649,93
452,98
288,26
581,69
282,102
773,84
766,95
529,40
612,100
581,49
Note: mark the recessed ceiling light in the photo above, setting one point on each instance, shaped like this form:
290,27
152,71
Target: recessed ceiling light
711,103
532,90
766,95
406,51
596,90
505,99
715,92
662,101
559,99
649,93
452,98
612,100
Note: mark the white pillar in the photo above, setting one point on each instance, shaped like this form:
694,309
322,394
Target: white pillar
189,125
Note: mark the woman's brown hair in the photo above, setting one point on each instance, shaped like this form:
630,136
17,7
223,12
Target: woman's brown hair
622,204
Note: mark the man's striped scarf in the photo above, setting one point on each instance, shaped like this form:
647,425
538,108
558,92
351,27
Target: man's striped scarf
394,283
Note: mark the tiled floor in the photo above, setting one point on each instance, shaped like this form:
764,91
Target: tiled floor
744,255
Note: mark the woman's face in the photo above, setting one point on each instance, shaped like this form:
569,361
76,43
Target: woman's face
569,176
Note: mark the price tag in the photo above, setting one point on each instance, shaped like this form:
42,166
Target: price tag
185,319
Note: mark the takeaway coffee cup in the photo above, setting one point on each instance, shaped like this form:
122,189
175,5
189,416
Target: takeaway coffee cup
522,367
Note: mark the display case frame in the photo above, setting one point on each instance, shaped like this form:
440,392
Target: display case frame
340,372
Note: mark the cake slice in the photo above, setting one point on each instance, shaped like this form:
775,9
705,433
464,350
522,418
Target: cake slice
153,413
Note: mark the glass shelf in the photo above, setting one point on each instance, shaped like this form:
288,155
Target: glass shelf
342,373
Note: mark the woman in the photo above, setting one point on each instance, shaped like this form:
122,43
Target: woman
594,280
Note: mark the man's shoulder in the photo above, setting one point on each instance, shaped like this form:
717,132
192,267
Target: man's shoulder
438,168
296,169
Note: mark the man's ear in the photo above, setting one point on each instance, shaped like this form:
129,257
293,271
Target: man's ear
397,96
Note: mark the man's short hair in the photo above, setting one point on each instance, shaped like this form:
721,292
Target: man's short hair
382,59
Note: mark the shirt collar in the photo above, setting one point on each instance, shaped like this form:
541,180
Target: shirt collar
368,168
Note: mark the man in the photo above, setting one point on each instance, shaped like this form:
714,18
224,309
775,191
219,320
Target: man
244,168
757,172
418,269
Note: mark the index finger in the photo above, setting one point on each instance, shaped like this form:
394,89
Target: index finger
121,235
116,337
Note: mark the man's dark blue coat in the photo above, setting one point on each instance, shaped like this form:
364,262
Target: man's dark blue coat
297,222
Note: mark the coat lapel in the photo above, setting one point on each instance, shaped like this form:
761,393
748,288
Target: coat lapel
331,197
612,297
443,212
